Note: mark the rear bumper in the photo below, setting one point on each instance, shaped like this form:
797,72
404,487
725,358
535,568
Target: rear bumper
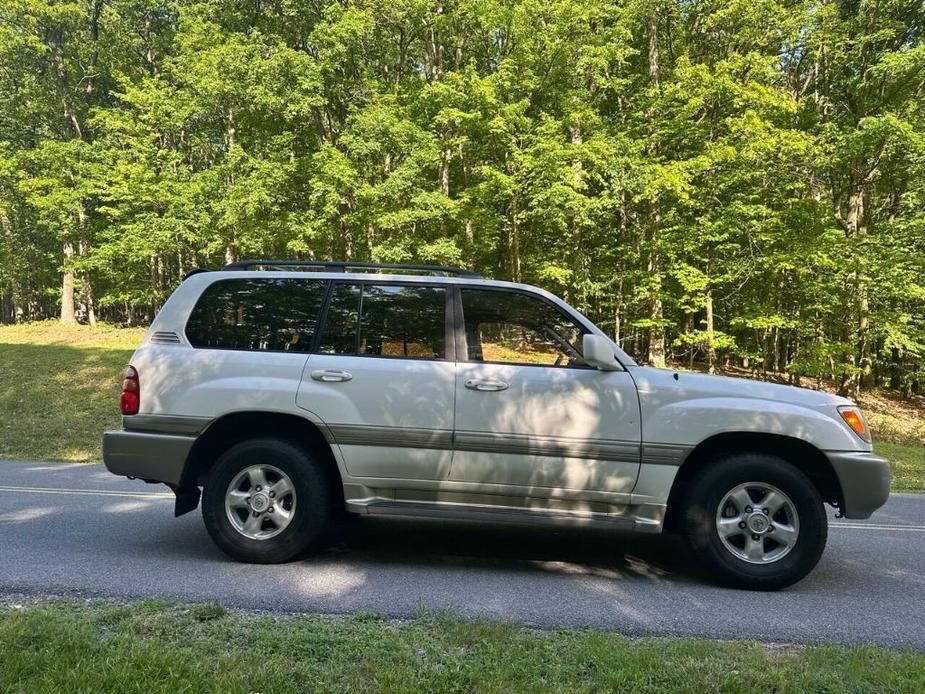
865,481
152,457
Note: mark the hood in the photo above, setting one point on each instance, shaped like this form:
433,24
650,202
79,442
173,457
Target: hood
688,385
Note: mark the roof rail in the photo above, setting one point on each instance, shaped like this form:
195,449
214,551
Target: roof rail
194,271
342,266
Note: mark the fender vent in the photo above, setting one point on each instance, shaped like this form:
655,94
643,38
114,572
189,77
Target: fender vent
165,338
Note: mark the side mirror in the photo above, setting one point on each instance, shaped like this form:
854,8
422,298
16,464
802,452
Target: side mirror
598,352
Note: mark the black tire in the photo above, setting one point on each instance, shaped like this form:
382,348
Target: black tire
311,514
698,521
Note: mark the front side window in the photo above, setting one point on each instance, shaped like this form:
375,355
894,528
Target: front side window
386,320
259,314
515,328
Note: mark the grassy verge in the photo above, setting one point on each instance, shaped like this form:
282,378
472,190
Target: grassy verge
907,463
59,388
154,646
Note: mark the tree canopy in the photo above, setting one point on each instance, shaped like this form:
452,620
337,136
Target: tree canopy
711,180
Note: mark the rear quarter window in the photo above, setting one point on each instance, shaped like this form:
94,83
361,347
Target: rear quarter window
260,314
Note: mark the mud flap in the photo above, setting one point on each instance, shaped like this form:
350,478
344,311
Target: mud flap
187,499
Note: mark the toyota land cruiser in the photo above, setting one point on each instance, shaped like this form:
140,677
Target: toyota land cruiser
290,391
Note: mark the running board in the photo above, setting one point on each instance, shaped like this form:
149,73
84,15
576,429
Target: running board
377,506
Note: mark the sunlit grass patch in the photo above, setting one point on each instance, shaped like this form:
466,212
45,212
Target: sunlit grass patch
907,463
59,388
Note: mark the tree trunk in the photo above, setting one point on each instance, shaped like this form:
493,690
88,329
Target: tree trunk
656,316
513,242
621,265
436,47
856,229
515,250
578,175
348,243
617,310
68,313
445,156
87,284
91,306
656,330
470,232
16,299
711,348
656,335
653,47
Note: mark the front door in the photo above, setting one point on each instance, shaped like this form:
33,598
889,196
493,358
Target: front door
382,379
530,414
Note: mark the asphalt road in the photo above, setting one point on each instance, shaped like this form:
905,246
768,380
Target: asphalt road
77,530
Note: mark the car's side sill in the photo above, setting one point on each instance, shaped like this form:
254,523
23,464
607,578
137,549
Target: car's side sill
646,518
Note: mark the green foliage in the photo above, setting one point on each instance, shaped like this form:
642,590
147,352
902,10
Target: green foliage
647,159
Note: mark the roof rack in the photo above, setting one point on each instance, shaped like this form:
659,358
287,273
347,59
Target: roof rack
341,266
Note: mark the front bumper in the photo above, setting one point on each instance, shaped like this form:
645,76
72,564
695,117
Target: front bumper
151,457
865,481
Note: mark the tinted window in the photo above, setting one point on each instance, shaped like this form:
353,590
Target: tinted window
339,335
386,320
257,314
514,328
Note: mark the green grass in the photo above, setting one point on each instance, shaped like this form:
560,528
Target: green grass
907,463
154,646
59,388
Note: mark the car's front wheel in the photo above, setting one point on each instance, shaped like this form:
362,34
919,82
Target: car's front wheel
266,501
755,520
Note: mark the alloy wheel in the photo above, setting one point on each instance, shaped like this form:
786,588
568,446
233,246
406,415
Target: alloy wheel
260,502
757,523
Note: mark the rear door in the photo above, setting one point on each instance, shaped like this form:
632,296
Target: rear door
382,378
530,415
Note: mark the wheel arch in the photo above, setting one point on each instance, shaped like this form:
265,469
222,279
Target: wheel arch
802,454
235,427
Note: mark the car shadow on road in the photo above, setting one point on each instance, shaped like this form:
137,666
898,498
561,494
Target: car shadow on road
473,545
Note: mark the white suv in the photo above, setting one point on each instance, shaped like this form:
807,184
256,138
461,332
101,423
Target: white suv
289,391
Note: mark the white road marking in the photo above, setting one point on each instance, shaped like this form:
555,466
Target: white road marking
90,492
876,526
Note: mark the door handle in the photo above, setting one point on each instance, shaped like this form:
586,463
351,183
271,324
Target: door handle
489,384
331,375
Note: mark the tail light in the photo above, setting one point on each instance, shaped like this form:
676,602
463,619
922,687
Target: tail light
131,392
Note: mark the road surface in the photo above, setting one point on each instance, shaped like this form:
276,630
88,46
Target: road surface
75,530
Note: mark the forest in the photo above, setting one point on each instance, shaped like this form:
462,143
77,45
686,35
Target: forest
721,182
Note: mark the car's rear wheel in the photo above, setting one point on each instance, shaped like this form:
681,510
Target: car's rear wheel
266,501
755,520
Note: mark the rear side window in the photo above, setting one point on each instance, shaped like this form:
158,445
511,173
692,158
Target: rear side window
261,314
386,320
